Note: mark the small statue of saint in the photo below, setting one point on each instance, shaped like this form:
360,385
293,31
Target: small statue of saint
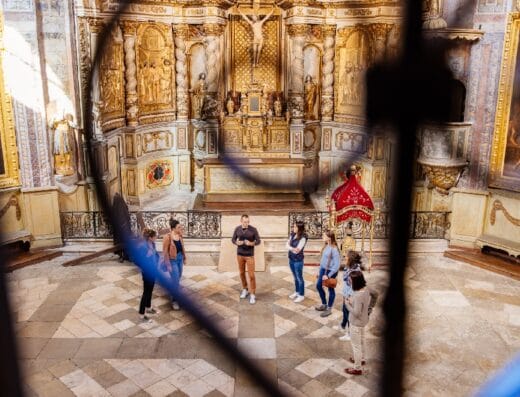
230,106
62,149
277,107
311,93
198,94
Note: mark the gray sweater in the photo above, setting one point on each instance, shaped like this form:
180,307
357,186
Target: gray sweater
359,307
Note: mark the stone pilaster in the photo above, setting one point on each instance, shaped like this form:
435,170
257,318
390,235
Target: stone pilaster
96,25
298,34
327,81
129,33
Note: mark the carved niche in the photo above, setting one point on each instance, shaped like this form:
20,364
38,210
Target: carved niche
354,54
155,68
111,82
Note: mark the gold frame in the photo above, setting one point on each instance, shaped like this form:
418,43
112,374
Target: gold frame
504,103
11,177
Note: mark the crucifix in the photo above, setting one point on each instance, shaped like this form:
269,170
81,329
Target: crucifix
258,35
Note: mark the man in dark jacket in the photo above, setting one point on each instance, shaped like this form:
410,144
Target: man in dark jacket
245,237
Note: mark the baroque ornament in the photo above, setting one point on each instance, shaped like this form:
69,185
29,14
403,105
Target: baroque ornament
498,206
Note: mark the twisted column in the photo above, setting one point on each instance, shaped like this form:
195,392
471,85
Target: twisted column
181,70
129,33
213,55
327,81
95,25
298,34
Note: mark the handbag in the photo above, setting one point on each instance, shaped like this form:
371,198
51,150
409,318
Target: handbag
330,282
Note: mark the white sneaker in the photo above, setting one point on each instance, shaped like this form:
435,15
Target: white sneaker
244,294
252,299
175,306
293,296
345,337
299,299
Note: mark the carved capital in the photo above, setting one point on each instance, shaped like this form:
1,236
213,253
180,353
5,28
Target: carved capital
380,30
297,30
129,27
213,29
328,30
182,31
95,24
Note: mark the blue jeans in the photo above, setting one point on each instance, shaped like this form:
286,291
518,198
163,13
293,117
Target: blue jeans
176,273
297,271
321,291
346,313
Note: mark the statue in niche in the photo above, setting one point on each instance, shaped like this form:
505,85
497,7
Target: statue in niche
230,106
198,95
311,93
258,36
62,149
277,106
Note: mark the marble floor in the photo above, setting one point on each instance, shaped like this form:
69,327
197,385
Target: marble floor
79,332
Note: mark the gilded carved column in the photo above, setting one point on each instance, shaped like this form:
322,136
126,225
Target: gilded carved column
298,35
95,25
129,32
181,70
213,55
379,33
327,82
432,15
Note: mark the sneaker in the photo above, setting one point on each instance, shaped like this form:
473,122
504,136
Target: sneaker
244,294
299,299
353,371
327,312
175,306
293,296
152,310
339,328
321,308
345,337
252,299
363,362
145,319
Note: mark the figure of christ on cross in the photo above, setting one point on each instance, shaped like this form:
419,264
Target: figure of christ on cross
258,36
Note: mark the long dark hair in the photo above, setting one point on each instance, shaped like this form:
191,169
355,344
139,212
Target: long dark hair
173,223
149,234
353,258
358,280
301,229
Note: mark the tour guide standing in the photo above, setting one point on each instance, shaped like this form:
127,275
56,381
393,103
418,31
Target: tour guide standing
246,237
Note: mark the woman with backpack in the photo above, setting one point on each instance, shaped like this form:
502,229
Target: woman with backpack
329,266
174,255
295,246
353,264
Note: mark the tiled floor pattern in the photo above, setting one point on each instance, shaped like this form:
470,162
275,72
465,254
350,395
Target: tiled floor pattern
80,334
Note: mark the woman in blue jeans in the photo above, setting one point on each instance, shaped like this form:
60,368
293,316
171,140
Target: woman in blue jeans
329,266
295,246
174,255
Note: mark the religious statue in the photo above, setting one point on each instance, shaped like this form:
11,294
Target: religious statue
277,106
198,95
230,106
258,36
311,93
61,148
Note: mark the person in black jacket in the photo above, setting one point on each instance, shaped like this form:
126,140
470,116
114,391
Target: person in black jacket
245,237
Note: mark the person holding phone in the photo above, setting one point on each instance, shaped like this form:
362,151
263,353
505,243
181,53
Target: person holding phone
245,237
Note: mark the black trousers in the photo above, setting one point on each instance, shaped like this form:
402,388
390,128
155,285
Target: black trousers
146,299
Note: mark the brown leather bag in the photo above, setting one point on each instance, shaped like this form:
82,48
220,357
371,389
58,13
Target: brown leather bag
330,282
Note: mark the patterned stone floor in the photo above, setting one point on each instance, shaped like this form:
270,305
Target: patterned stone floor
80,335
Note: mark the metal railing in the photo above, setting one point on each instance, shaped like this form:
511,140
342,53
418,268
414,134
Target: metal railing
424,224
93,225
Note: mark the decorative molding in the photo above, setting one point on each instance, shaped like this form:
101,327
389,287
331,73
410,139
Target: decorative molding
498,206
12,202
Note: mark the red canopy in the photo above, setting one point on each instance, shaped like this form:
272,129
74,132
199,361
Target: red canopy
351,193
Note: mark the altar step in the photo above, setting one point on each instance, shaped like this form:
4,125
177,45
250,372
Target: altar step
253,203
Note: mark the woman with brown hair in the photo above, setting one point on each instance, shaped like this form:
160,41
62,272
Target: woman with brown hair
329,266
145,307
174,255
295,246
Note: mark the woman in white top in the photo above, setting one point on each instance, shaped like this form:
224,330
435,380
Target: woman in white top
295,246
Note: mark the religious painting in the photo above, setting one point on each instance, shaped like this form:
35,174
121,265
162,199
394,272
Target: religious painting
159,173
353,55
505,155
